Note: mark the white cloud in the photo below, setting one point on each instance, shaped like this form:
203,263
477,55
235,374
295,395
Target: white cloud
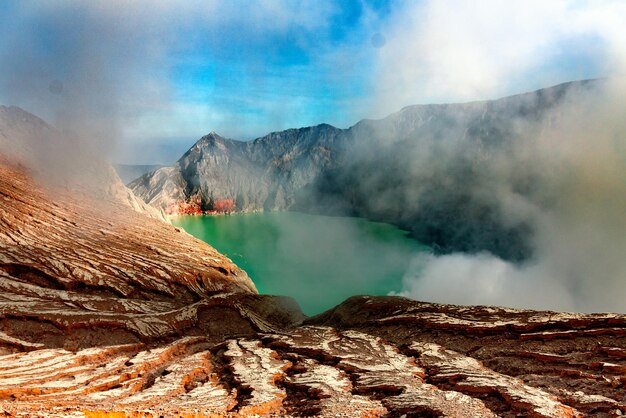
483,280
443,50
117,60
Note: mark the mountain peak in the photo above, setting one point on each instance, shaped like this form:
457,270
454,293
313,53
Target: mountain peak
214,135
211,138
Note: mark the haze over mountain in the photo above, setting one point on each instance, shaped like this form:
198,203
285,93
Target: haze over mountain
421,168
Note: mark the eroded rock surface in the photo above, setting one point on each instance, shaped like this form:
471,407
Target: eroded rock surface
322,371
69,242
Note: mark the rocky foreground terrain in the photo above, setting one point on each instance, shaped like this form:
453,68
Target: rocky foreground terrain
107,310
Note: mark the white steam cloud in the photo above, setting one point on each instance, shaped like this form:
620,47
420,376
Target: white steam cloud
577,210
464,50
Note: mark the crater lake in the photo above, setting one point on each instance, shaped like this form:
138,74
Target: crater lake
318,260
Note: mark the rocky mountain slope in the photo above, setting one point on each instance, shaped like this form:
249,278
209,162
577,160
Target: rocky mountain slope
106,311
426,169
263,174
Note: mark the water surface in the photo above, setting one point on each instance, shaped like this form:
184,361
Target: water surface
318,260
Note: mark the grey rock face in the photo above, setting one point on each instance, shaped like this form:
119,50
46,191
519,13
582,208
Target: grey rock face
435,170
264,174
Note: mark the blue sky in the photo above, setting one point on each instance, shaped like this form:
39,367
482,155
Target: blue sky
250,81
158,75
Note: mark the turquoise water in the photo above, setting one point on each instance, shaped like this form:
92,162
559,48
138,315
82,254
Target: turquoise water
318,260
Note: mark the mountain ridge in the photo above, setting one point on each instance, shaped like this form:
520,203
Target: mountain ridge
369,169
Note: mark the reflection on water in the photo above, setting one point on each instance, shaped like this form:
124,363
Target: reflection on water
318,260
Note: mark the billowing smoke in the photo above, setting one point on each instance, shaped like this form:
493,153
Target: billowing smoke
565,175
521,199
561,176
574,203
